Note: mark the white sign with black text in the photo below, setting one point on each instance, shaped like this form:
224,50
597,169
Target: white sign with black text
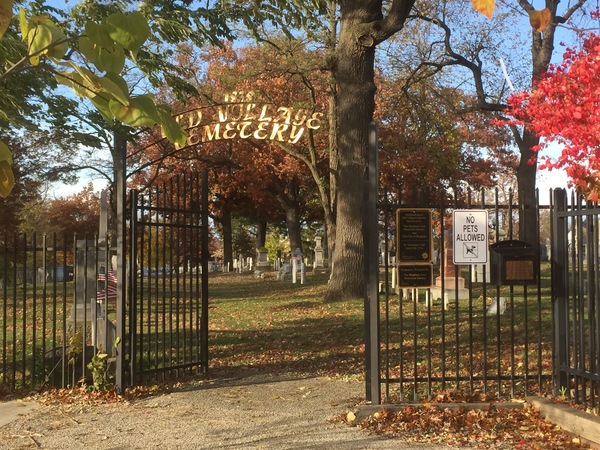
470,236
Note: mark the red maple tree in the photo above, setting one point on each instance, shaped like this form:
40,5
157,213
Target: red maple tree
564,108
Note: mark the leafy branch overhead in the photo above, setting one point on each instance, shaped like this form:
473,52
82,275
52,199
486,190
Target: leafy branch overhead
106,45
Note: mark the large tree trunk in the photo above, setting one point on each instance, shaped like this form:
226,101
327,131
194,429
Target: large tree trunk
362,27
542,47
526,179
292,218
330,199
354,74
227,238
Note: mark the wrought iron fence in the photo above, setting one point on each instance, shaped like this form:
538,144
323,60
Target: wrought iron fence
463,336
576,293
50,317
58,305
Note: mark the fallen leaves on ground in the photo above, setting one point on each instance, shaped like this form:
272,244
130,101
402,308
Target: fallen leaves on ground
83,395
491,429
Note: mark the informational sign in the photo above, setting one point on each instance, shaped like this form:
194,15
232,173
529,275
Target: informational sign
414,235
414,244
415,275
470,232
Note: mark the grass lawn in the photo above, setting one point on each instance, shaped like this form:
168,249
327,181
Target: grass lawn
284,328
280,327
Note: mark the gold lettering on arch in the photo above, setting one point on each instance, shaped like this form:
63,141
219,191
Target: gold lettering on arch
242,117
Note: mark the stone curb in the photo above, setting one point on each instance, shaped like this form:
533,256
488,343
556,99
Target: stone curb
577,422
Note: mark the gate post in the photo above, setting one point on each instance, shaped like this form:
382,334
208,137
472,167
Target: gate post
371,246
120,228
204,264
560,294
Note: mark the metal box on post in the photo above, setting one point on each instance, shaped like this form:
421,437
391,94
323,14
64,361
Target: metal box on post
513,262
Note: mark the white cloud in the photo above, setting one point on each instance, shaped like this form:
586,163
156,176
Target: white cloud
65,190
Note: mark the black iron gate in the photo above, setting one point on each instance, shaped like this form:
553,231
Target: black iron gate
576,299
168,279
462,336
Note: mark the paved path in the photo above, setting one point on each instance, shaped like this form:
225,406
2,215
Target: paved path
257,412
12,410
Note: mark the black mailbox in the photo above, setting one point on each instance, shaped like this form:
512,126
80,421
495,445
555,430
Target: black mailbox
513,262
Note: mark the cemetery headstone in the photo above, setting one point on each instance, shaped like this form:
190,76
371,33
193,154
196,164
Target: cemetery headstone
319,254
497,307
262,259
298,266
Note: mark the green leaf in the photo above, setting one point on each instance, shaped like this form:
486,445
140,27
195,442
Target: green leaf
39,38
58,50
141,111
90,51
112,59
5,153
73,80
5,15
102,105
128,30
106,56
98,34
83,86
87,84
45,38
23,24
115,89
59,46
118,80
171,129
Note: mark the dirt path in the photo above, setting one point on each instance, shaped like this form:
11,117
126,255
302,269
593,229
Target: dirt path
255,412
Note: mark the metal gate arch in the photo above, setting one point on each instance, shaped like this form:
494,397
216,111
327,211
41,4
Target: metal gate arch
167,292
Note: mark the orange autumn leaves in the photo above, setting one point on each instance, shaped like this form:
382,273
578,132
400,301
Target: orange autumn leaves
485,7
539,20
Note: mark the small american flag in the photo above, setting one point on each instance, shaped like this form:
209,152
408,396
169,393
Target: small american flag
110,288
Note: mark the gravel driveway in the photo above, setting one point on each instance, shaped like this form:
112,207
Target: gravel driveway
251,412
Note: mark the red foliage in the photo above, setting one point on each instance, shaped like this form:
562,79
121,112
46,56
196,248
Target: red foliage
564,108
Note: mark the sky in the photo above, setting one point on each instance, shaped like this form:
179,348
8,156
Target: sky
546,180
67,190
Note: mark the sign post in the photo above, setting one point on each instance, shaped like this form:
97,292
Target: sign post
470,236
